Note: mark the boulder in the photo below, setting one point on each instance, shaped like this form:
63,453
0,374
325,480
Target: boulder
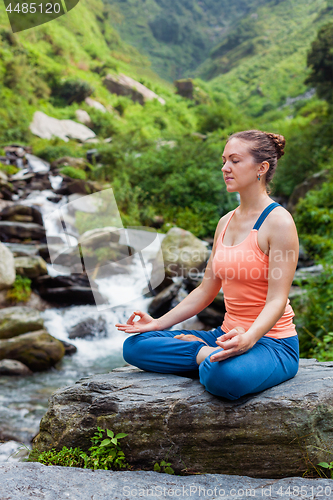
80,186
181,254
89,328
70,349
38,350
95,237
211,317
275,433
82,116
12,367
161,303
68,290
95,104
3,178
32,267
17,210
17,320
69,161
303,275
185,87
46,127
34,302
125,85
55,198
7,267
31,481
21,230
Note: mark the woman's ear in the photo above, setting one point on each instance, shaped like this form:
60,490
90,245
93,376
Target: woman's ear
264,167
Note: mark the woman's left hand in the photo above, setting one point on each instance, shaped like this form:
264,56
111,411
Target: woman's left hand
233,343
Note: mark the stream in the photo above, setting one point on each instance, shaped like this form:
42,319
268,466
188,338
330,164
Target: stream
23,401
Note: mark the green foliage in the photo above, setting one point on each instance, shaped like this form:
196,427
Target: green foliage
66,457
71,90
261,59
329,466
175,181
177,35
163,467
308,145
20,291
8,169
73,172
105,453
320,60
314,220
323,350
314,315
103,124
54,149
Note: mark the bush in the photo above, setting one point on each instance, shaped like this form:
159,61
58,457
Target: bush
74,173
71,90
54,149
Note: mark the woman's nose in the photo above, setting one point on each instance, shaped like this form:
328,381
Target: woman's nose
225,167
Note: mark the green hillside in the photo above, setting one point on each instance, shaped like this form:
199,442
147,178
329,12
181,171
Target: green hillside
36,63
261,61
176,35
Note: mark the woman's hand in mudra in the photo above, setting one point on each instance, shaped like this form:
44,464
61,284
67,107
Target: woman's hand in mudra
233,343
145,324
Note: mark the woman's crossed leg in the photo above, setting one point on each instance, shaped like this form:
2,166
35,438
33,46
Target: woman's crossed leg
268,363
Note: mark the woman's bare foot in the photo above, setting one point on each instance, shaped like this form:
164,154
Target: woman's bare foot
189,338
204,352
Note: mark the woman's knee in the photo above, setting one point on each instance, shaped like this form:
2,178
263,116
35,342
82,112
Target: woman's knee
128,349
219,378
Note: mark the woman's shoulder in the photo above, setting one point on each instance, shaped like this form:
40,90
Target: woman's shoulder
280,218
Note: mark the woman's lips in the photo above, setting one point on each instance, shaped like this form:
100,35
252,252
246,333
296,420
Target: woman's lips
228,179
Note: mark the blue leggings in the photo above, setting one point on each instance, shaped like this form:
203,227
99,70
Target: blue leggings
269,362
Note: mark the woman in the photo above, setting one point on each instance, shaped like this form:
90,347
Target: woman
254,258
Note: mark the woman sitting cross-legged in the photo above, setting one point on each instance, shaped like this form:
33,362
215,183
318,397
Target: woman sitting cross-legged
254,258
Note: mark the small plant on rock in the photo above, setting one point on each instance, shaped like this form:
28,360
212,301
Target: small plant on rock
329,466
20,290
105,453
163,467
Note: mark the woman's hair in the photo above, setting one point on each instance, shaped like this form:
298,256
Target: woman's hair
264,147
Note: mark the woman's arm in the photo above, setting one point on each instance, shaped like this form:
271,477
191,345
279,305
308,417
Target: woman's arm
283,257
195,302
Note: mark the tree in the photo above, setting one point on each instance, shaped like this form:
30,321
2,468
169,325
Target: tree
320,60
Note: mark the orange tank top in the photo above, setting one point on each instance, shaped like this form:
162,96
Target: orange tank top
243,269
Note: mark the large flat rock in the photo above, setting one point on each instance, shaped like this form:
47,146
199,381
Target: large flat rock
25,481
275,433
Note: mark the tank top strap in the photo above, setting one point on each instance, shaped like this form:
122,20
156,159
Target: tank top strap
225,227
264,214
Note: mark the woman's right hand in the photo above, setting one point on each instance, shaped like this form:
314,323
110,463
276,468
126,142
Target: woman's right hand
146,323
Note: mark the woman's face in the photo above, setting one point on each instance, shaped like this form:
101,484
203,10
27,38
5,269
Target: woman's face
239,168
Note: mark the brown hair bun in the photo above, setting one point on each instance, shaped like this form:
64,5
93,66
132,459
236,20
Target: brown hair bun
279,143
